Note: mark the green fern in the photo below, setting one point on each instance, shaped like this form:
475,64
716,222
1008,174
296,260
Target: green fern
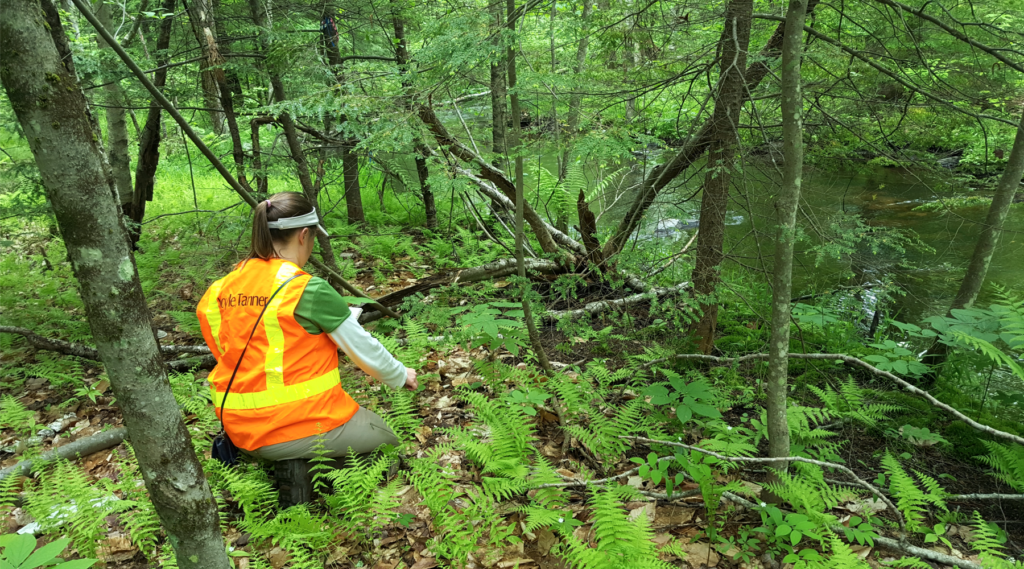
1007,462
851,401
620,543
65,500
911,500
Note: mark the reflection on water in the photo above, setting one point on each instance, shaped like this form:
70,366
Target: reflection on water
884,198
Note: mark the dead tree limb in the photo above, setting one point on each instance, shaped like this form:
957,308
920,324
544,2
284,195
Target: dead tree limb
487,172
602,305
82,447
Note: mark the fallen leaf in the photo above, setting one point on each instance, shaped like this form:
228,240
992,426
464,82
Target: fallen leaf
424,563
700,555
635,481
102,385
515,562
545,541
566,473
673,516
645,510
116,549
279,558
861,551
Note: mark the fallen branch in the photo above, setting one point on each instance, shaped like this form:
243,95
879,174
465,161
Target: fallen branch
487,172
883,541
490,189
845,470
355,291
82,447
602,305
43,343
856,361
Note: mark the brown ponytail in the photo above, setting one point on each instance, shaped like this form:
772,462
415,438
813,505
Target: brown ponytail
278,206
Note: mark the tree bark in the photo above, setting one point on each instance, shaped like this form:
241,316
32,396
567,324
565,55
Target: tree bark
786,207
721,162
513,145
117,127
422,171
692,150
70,163
353,194
499,115
204,26
149,140
981,259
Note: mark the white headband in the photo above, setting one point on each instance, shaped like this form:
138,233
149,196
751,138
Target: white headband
308,220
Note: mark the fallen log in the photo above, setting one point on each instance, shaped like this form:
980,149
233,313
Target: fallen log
82,447
602,305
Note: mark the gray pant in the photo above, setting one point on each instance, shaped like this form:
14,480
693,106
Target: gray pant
363,433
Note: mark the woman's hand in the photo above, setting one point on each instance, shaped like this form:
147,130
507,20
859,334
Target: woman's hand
410,379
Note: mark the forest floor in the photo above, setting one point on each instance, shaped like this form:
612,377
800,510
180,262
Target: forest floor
679,525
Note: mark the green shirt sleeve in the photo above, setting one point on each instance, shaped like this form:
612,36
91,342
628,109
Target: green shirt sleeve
321,308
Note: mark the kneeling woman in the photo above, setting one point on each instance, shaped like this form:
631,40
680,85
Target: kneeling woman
275,332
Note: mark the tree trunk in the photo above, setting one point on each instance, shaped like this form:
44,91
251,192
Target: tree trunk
204,26
149,140
117,127
353,194
721,162
349,160
229,88
786,207
515,134
499,116
970,287
71,165
692,150
422,171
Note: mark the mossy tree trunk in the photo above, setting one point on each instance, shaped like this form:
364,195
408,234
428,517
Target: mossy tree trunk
785,210
51,108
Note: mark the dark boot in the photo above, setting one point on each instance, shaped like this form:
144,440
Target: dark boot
294,482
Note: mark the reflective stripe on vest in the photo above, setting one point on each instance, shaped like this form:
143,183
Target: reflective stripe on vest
213,313
278,395
274,366
288,385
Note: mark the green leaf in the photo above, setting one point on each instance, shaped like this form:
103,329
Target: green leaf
684,413
17,547
702,409
795,537
783,530
45,555
78,564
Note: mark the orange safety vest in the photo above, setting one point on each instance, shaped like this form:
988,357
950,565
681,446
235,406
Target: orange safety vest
287,386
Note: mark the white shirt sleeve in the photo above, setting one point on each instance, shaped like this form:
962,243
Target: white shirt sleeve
366,352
